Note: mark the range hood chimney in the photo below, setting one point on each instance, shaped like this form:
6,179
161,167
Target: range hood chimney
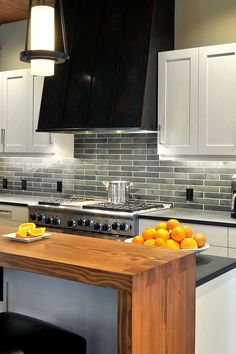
110,82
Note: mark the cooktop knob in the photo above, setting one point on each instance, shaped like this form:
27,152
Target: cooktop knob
88,222
80,222
49,220
71,223
33,216
115,226
124,227
56,221
97,226
40,217
106,227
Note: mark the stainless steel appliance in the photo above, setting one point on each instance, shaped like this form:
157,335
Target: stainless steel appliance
117,191
97,219
233,203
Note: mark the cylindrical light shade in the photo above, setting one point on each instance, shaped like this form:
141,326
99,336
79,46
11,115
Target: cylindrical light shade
42,38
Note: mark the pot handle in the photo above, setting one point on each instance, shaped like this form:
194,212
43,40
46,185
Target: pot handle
129,185
106,184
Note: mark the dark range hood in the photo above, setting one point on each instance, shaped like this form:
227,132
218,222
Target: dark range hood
110,81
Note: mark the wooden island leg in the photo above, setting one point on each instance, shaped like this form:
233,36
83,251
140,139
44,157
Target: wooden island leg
159,316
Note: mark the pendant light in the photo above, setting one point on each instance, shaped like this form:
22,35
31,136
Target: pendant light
41,31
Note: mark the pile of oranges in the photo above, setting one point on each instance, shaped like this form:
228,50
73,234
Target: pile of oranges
171,234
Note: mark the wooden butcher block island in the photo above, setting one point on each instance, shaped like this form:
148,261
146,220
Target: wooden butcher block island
156,288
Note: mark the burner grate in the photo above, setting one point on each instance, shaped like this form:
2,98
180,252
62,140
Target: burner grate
126,207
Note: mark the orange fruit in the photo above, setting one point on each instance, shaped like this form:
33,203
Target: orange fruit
188,243
159,242
148,233
163,234
200,239
21,233
150,242
27,225
178,233
171,223
188,231
36,232
138,239
171,244
161,225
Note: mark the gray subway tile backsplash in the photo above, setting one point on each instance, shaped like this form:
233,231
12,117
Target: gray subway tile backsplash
132,157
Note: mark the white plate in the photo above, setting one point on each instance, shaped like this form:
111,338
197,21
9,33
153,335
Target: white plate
25,239
199,250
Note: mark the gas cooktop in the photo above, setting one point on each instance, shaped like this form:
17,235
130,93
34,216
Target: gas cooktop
130,206
73,201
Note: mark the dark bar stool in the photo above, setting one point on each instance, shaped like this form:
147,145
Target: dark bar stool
20,334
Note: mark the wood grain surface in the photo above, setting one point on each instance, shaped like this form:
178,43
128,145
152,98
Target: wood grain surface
156,288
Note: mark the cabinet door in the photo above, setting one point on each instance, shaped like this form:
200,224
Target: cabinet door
217,103
15,111
38,142
178,102
1,112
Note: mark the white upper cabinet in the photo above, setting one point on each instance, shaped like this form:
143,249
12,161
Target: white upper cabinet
217,100
1,110
15,111
20,99
196,99
178,101
38,142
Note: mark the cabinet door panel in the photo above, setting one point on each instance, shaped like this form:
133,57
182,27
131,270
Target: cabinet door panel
217,104
38,142
217,251
216,235
232,237
15,110
178,102
232,252
1,115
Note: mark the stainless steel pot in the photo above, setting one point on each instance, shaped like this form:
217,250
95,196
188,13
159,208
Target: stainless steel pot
117,191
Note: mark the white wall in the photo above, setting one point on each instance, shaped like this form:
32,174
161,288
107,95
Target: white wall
12,42
204,22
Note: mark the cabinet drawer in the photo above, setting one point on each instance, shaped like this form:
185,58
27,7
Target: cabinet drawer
217,251
232,253
13,213
216,235
232,237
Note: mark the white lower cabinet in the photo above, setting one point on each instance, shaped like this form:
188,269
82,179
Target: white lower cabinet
222,240
215,315
13,215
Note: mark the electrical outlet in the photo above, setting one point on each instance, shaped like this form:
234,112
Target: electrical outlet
59,186
189,194
24,184
4,183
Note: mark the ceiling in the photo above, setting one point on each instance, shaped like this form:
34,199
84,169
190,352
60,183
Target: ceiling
14,10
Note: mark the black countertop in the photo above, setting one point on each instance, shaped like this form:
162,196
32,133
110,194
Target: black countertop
210,267
217,218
